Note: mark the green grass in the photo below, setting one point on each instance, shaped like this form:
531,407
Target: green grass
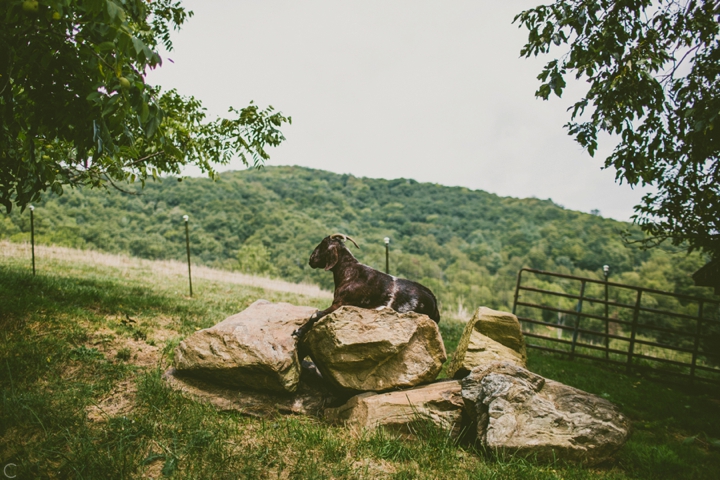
64,350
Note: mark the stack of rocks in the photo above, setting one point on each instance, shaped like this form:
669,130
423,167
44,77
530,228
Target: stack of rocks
388,359
373,368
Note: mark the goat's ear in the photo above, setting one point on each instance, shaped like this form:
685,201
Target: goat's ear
332,257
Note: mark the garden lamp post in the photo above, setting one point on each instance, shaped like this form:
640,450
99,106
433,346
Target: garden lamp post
387,255
606,274
32,235
187,245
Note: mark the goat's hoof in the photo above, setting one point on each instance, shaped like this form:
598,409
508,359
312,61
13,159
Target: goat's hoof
297,333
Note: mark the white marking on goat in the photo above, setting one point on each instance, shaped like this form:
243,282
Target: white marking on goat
413,304
393,291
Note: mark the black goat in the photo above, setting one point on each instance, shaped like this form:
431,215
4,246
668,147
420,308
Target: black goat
361,286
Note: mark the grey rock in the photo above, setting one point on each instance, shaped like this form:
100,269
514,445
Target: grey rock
520,412
490,336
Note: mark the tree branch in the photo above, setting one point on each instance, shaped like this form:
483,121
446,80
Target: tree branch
676,65
109,179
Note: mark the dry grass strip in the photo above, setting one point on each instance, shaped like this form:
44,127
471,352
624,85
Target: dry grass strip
159,267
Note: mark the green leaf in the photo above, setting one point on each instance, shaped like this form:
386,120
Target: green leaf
116,13
152,457
105,46
152,126
139,45
169,467
144,112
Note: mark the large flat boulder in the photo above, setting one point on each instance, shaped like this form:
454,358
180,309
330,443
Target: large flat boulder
376,350
310,398
490,336
253,349
440,403
517,411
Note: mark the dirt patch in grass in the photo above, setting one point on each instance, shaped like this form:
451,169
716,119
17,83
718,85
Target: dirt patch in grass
164,334
10,441
154,469
123,348
119,348
374,468
120,401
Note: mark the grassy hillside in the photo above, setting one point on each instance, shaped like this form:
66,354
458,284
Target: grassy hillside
81,394
466,245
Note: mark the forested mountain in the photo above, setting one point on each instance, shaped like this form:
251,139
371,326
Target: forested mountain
466,245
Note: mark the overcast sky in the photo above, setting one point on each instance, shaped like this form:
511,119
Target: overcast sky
430,90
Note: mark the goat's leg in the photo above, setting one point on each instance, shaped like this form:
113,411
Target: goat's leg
300,332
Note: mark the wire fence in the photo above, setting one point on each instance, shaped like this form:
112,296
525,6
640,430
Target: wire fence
614,323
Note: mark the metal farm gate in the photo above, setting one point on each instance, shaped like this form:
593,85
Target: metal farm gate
640,328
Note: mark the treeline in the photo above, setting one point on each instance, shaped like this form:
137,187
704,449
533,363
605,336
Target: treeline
466,245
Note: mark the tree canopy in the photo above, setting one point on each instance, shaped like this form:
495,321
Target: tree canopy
75,109
652,69
465,245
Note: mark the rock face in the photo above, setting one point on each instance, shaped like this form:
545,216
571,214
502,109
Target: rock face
521,412
310,398
376,350
440,403
490,336
253,349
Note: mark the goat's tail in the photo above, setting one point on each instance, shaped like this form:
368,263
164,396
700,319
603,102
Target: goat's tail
435,315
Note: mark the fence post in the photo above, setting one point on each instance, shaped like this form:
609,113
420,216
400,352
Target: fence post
517,291
698,330
606,273
387,255
187,244
636,316
32,235
577,319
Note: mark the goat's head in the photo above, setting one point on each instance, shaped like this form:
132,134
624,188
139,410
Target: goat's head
326,254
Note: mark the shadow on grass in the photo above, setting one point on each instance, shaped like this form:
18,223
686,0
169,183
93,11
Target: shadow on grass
49,377
23,295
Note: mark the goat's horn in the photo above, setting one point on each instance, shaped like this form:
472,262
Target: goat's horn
344,237
353,241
